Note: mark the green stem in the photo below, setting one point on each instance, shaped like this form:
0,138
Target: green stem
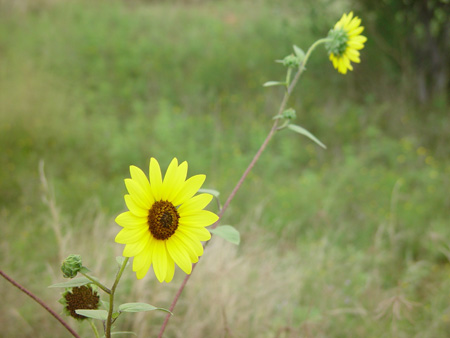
111,298
313,46
96,282
94,328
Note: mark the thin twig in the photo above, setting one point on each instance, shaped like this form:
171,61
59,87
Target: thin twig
40,302
269,136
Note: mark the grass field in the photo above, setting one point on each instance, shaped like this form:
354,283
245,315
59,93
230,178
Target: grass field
352,241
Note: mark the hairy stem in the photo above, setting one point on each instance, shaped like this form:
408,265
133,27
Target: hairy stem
100,285
40,302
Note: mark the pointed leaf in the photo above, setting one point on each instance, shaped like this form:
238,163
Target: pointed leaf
274,83
139,307
299,52
84,269
228,233
72,283
306,133
95,314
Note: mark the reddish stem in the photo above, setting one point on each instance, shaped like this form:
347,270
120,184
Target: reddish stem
272,131
40,302
222,211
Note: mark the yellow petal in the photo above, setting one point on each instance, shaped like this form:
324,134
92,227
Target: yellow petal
359,39
183,241
334,60
356,31
347,63
191,240
201,234
126,235
170,269
148,260
134,208
353,55
169,179
179,255
140,260
155,179
129,220
347,19
353,24
143,199
194,204
177,181
201,218
139,177
134,249
189,189
160,260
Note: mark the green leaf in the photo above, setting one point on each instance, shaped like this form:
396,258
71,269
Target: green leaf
84,269
274,83
213,192
306,133
299,52
96,314
115,315
227,232
139,307
72,283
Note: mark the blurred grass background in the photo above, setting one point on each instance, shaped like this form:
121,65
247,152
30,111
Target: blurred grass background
348,242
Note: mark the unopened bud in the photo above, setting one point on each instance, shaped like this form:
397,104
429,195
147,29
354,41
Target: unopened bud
71,266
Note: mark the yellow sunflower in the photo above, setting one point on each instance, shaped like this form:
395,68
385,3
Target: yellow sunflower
165,223
345,41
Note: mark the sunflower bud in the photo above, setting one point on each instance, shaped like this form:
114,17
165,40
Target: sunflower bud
289,114
71,266
291,61
338,43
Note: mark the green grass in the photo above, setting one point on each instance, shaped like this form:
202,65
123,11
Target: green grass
328,237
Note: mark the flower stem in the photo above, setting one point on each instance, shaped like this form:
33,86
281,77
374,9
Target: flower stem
111,298
263,146
100,285
40,302
94,328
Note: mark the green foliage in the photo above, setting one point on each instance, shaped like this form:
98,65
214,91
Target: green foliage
228,233
91,89
72,283
139,307
302,131
95,314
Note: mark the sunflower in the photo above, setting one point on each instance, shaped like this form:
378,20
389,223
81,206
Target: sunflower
345,41
165,223
83,297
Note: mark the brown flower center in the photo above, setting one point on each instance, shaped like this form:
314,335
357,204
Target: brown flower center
163,220
81,298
